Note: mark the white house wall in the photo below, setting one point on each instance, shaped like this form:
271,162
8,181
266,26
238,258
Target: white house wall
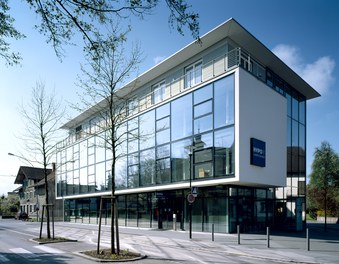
261,114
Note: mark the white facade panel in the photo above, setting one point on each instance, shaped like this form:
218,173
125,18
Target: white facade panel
260,114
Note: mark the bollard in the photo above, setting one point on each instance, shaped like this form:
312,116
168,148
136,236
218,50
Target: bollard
268,237
238,233
307,240
174,222
212,232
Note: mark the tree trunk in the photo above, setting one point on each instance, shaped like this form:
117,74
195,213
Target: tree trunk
112,226
47,207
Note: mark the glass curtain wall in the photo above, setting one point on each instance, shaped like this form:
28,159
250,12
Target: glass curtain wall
158,145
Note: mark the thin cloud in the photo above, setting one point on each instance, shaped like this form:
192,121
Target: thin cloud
318,74
158,59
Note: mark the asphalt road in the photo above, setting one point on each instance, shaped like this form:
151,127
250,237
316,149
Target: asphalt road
159,246
16,247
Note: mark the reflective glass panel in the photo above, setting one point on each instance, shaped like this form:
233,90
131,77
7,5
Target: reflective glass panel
163,170
180,160
203,124
147,167
181,117
224,102
203,109
163,123
120,173
147,130
224,151
163,151
163,136
163,111
203,94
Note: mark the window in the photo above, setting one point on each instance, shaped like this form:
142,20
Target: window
181,117
224,152
132,106
78,132
224,102
159,92
193,74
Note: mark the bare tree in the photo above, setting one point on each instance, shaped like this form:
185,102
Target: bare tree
108,69
62,20
42,117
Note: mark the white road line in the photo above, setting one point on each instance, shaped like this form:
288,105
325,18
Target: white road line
23,253
49,249
20,251
3,259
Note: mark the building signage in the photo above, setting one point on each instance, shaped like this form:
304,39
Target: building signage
258,152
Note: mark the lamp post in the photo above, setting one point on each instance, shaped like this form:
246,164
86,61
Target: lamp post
20,157
190,196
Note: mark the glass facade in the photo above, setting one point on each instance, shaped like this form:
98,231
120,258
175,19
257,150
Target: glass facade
188,138
161,144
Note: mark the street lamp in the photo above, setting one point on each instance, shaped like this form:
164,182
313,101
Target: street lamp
190,196
20,157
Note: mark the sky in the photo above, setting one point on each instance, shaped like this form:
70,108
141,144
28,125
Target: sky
303,33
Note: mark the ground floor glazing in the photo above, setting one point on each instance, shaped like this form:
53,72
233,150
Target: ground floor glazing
224,207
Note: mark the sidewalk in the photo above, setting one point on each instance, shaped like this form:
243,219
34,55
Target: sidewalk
176,245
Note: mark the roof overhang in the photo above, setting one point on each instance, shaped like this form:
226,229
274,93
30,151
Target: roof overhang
230,28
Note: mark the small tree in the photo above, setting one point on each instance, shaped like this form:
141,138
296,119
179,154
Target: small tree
108,69
42,118
324,179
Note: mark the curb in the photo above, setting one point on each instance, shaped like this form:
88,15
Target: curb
81,254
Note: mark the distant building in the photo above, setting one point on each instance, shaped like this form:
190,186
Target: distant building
32,191
226,116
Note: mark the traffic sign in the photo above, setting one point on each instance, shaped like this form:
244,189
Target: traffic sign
194,191
190,198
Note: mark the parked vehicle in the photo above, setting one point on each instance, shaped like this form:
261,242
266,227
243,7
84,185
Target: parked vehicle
21,216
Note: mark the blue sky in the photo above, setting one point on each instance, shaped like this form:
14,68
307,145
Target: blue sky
304,33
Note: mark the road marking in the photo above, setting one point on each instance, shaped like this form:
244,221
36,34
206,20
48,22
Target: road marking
3,259
20,251
49,249
24,253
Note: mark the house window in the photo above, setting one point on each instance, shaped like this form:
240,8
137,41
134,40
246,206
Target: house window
159,92
193,74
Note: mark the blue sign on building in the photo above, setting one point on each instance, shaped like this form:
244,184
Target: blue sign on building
258,152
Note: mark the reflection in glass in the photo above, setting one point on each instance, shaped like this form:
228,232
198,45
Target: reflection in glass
147,167
224,151
224,102
133,176
163,136
203,170
203,109
163,151
121,173
203,94
180,160
162,111
163,170
203,124
163,123
181,117
146,130
100,176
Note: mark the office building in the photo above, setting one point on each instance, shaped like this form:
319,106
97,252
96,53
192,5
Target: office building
217,129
